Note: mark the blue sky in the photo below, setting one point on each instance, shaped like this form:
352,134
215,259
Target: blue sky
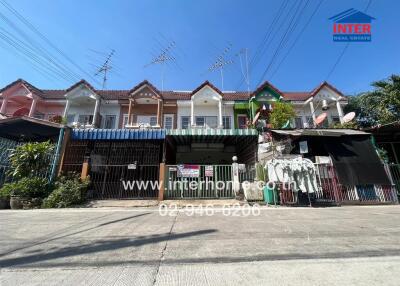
201,30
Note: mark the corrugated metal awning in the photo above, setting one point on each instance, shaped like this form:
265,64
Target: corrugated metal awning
118,134
212,132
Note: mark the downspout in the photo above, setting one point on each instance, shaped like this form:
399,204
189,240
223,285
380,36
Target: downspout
57,154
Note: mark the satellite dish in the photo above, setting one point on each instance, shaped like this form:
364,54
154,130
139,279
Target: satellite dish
349,117
256,118
320,118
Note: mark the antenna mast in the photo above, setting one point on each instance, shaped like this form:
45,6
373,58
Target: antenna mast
245,68
162,58
220,63
104,68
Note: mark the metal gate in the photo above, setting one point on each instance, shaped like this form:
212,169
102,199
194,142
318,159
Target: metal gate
117,169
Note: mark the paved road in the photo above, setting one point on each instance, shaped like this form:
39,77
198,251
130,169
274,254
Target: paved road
331,246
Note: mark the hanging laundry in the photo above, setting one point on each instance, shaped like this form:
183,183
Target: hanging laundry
299,171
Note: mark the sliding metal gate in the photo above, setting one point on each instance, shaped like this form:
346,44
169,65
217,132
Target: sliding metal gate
118,169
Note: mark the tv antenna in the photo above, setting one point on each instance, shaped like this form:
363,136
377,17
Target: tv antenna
105,68
220,63
244,67
162,59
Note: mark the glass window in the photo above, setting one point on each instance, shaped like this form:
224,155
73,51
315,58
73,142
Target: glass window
153,120
185,122
226,120
109,121
85,119
70,118
335,119
211,121
124,120
168,121
309,122
200,120
242,120
298,122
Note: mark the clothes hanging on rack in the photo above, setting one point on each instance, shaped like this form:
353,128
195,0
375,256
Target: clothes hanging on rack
298,171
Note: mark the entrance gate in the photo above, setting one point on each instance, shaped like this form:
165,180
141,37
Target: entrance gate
118,169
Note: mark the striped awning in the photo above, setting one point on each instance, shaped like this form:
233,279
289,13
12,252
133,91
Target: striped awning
212,132
118,134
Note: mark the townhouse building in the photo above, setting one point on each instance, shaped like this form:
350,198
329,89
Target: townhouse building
83,106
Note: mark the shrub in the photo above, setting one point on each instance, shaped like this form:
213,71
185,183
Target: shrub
31,159
281,113
5,192
32,187
69,191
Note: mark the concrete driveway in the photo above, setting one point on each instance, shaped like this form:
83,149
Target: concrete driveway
285,246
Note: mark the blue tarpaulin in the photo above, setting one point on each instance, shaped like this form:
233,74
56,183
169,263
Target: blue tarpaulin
118,134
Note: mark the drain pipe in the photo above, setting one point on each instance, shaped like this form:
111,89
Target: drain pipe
57,155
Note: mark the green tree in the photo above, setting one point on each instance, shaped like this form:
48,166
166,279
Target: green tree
281,113
379,106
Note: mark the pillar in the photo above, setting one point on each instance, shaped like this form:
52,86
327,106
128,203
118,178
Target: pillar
85,168
312,113
220,114
66,109
96,111
33,108
4,105
191,113
162,182
340,111
159,113
129,113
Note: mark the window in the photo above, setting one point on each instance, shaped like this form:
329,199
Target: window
200,121
207,121
168,121
38,115
70,118
85,119
146,120
298,122
109,121
242,120
226,121
153,121
185,122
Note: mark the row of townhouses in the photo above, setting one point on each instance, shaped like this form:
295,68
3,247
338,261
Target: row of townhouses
204,135
146,106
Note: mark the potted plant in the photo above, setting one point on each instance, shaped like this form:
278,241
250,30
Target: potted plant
29,192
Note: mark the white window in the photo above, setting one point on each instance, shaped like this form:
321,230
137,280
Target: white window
309,122
168,121
185,122
226,120
109,121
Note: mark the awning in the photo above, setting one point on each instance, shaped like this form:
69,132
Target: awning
241,105
28,129
212,132
319,132
118,134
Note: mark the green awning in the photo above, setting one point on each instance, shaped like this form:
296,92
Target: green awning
241,105
212,132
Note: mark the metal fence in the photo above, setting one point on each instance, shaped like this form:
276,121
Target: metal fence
209,182
330,191
124,181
